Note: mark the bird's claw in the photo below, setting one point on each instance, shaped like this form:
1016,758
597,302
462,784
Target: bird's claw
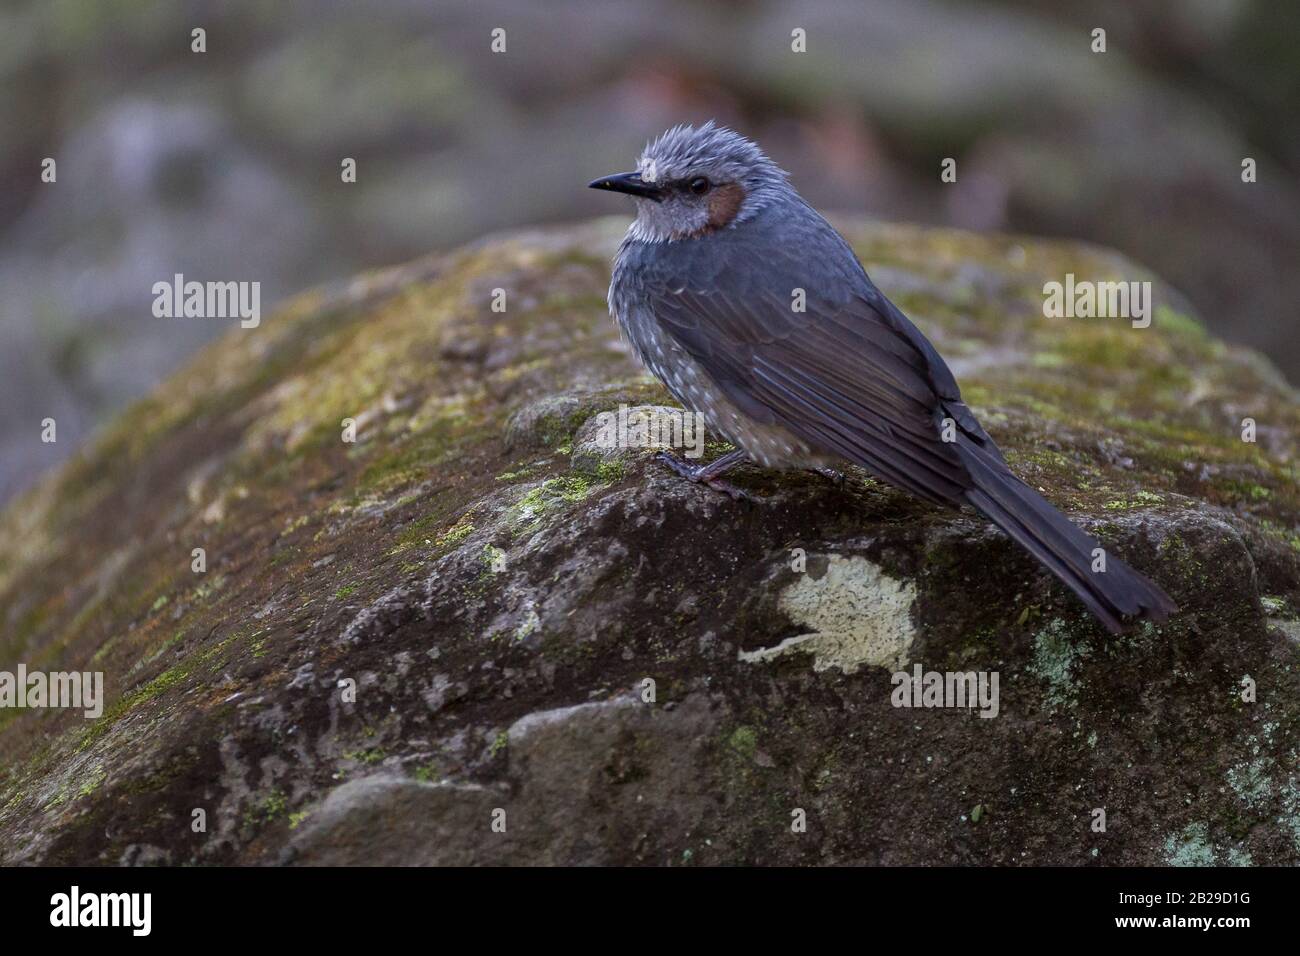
704,475
838,478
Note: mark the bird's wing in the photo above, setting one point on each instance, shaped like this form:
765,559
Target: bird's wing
849,374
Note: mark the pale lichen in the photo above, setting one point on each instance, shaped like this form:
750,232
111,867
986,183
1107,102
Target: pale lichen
856,616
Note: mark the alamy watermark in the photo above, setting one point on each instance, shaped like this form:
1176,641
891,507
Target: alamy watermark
640,428
1085,299
75,908
956,689
64,689
208,300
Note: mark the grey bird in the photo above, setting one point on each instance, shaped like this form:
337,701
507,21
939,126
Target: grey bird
704,288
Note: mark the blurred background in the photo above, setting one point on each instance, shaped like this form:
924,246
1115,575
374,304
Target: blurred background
225,165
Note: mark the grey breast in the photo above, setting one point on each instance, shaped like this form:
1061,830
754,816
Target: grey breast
766,442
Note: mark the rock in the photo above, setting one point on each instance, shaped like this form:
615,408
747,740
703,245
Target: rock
608,442
545,422
548,815
394,821
475,635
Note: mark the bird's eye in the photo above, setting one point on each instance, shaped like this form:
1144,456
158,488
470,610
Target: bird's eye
699,185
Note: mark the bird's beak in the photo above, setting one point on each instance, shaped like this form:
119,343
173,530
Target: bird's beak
629,183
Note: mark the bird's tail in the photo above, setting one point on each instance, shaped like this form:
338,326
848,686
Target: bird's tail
1063,548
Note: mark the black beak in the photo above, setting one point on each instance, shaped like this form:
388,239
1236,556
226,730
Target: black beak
629,183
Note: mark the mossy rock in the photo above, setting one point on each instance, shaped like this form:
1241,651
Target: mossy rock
399,636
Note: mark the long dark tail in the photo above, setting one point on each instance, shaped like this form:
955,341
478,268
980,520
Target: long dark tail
1063,548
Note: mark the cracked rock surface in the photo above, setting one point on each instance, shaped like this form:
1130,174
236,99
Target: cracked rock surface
475,635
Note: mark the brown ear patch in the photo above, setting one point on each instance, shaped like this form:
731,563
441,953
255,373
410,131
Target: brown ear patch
724,203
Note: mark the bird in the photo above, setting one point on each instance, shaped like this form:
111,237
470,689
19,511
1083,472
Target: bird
754,313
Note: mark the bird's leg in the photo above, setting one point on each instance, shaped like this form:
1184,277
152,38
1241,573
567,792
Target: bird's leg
838,477
709,474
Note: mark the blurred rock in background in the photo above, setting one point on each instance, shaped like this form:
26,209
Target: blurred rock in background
225,165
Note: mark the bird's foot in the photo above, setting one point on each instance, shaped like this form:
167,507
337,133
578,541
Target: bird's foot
708,474
838,478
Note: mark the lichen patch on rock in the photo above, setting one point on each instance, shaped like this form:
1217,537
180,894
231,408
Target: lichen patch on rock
857,615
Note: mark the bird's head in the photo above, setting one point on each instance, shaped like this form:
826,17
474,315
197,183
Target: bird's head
692,181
